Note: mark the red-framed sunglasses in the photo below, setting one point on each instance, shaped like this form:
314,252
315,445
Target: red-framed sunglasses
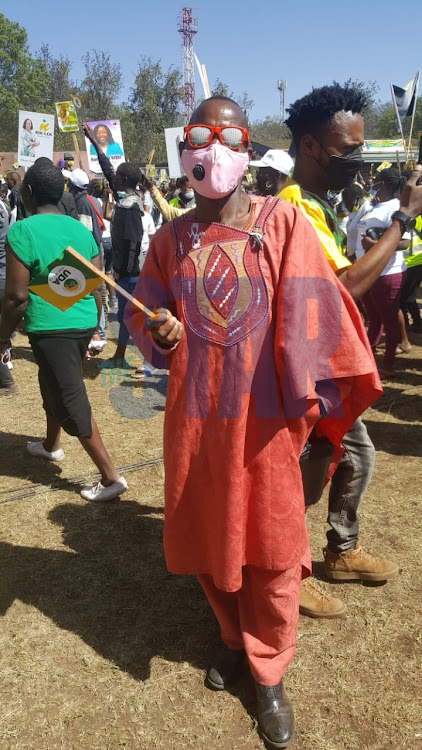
200,136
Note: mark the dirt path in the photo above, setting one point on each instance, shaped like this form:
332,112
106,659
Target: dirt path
102,649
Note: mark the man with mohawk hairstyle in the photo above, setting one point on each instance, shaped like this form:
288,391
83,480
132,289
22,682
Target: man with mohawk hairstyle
327,132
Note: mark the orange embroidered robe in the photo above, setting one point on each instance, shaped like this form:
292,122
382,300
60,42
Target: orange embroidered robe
272,342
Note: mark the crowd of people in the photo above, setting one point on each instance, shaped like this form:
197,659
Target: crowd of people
259,412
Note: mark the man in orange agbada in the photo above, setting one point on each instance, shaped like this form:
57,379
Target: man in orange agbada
260,340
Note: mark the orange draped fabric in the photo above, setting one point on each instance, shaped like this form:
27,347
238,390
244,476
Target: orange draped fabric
272,343
261,617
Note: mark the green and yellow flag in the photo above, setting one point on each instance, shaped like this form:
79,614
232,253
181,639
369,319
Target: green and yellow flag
65,281
384,165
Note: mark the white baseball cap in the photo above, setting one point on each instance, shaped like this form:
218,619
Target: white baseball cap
276,159
79,178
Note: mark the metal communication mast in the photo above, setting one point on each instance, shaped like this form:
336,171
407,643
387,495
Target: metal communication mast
281,85
187,26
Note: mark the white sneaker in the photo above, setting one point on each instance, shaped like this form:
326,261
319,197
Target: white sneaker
37,449
99,493
97,346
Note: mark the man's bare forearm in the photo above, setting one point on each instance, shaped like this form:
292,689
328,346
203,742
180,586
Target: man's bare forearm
360,276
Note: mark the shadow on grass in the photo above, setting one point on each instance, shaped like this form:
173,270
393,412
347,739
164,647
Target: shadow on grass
407,371
17,462
23,352
396,439
113,589
398,403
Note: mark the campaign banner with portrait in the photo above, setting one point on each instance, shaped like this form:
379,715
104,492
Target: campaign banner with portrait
67,117
109,136
35,137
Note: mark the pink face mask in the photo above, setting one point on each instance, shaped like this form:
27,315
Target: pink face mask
214,171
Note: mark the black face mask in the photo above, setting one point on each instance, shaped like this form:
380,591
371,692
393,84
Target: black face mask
342,170
267,183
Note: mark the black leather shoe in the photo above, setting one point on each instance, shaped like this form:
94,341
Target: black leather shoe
275,715
226,668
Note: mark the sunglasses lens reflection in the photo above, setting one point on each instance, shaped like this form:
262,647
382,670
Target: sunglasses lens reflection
200,135
232,137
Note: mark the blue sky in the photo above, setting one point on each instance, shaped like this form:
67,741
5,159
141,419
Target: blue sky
248,45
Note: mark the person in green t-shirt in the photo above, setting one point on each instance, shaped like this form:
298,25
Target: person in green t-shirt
59,339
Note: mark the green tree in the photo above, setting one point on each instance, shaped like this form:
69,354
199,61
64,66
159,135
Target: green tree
123,113
388,126
373,107
245,103
269,131
101,85
221,89
60,87
23,80
155,104
369,89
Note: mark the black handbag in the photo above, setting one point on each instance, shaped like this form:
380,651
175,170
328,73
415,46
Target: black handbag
314,463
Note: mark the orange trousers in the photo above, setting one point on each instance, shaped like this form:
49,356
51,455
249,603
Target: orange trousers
261,617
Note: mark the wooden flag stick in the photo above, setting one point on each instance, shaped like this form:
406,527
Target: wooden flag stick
76,148
111,282
415,94
150,158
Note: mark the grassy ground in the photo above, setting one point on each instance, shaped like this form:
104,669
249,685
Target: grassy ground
102,649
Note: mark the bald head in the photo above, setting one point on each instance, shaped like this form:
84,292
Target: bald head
219,110
13,178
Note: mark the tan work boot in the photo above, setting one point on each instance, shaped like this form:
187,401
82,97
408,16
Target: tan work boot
355,564
315,602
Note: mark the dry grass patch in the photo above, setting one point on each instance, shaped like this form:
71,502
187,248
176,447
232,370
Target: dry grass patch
102,649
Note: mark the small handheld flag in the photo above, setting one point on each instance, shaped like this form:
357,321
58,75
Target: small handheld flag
64,281
384,165
70,277
404,98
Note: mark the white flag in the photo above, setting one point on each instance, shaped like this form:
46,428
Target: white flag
404,99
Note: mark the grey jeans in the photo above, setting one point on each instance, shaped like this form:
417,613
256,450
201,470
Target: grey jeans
6,378
348,486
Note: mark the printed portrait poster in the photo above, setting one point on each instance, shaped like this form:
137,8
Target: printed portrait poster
109,136
67,117
35,137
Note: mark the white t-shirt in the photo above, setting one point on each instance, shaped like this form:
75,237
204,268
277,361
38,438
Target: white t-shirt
148,204
352,226
149,230
380,217
106,233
